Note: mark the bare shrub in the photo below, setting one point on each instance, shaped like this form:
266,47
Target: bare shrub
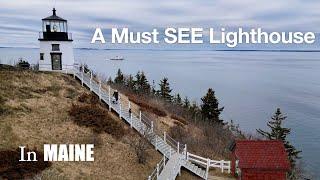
88,98
96,118
179,118
141,144
12,168
147,105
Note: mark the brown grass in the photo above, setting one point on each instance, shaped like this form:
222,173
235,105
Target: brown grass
97,118
180,119
39,116
147,106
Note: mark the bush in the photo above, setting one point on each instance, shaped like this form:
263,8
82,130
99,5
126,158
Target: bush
11,168
179,118
88,98
97,118
147,106
22,64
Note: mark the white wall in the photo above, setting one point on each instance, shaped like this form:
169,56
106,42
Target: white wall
67,58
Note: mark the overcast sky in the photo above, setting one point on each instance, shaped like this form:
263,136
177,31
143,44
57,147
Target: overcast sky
20,21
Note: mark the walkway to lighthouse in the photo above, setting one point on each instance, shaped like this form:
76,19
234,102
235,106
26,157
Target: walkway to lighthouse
175,154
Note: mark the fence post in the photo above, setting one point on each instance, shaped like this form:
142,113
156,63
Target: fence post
164,136
164,160
178,148
82,76
131,120
90,81
157,170
109,91
140,116
120,110
222,165
149,178
185,151
229,167
129,105
187,156
100,90
207,169
152,126
170,152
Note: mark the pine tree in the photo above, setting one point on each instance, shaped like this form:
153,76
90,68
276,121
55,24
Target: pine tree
141,84
165,90
186,103
177,100
210,109
119,79
278,132
130,83
109,81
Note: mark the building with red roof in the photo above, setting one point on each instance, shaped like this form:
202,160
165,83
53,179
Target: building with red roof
259,159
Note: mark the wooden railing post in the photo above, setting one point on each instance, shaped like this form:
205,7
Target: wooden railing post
164,160
149,178
131,120
222,165
187,156
140,116
100,90
178,148
129,105
120,110
185,151
152,126
207,169
157,170
90,80
82,76
109,91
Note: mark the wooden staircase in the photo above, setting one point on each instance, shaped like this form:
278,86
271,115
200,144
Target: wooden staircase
175,154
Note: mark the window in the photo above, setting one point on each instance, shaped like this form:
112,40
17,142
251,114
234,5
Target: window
41,56
55,47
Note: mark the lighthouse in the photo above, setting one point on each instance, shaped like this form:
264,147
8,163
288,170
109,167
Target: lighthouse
56,50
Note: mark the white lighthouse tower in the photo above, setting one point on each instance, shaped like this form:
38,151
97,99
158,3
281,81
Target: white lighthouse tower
56,51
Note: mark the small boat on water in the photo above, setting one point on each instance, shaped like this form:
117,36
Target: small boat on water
117,58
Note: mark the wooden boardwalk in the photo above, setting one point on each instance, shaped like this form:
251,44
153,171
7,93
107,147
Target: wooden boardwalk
175,154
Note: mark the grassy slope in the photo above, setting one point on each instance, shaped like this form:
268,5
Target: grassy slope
35,113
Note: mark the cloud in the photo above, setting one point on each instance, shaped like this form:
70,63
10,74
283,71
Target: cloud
19,19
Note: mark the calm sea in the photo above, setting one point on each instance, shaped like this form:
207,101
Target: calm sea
250,85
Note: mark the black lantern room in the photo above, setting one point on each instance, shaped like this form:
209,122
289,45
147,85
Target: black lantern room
54,28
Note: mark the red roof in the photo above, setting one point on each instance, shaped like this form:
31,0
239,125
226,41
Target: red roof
261,154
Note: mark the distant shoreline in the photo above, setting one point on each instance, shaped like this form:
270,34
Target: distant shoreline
226,50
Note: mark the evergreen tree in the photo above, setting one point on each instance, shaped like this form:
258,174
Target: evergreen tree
109,81
186,103
210,109
178,100
278,132
165,90
141,84
130,83
119,79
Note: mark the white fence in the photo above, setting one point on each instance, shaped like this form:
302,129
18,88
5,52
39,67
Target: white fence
208,163
174,145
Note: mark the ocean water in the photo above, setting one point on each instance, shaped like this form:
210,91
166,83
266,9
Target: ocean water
250,85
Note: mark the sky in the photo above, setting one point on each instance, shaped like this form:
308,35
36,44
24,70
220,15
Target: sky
20,21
